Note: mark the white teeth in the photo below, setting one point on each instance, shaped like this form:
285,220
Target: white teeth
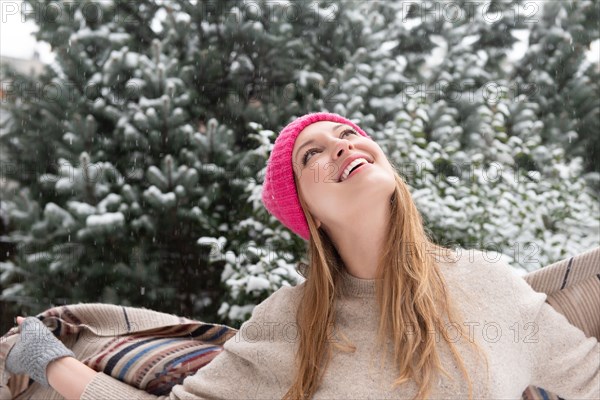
350,166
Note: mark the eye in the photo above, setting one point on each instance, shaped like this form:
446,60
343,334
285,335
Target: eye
308,152
314,149
348,131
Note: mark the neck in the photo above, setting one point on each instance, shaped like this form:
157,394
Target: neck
360,242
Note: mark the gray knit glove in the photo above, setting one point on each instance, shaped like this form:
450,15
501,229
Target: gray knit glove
34,350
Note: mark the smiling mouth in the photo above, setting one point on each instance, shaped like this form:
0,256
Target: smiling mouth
360,162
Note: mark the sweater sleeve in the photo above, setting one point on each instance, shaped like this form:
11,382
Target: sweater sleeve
561,358
240,371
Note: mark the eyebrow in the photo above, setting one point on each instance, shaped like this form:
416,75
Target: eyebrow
311,141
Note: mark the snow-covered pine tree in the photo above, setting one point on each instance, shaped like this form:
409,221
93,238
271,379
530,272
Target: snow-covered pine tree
557,76
152,153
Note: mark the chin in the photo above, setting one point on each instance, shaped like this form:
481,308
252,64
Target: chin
375,192
380,182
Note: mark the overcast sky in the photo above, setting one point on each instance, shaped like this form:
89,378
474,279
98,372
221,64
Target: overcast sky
16,39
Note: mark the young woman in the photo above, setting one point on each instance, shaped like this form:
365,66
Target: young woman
383,313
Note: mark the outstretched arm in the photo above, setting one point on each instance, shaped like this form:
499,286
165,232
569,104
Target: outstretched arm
256,362
39,354
563,360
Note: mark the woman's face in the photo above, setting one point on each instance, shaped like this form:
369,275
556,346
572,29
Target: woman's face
322,152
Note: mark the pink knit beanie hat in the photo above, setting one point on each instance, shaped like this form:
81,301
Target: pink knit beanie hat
279,193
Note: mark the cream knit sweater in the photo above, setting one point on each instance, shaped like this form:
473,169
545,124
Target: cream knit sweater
526,341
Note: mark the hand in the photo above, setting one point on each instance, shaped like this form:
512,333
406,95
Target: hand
35,348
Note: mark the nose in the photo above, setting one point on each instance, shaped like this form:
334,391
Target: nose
342,146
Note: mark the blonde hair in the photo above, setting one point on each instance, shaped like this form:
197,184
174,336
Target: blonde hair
411,294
